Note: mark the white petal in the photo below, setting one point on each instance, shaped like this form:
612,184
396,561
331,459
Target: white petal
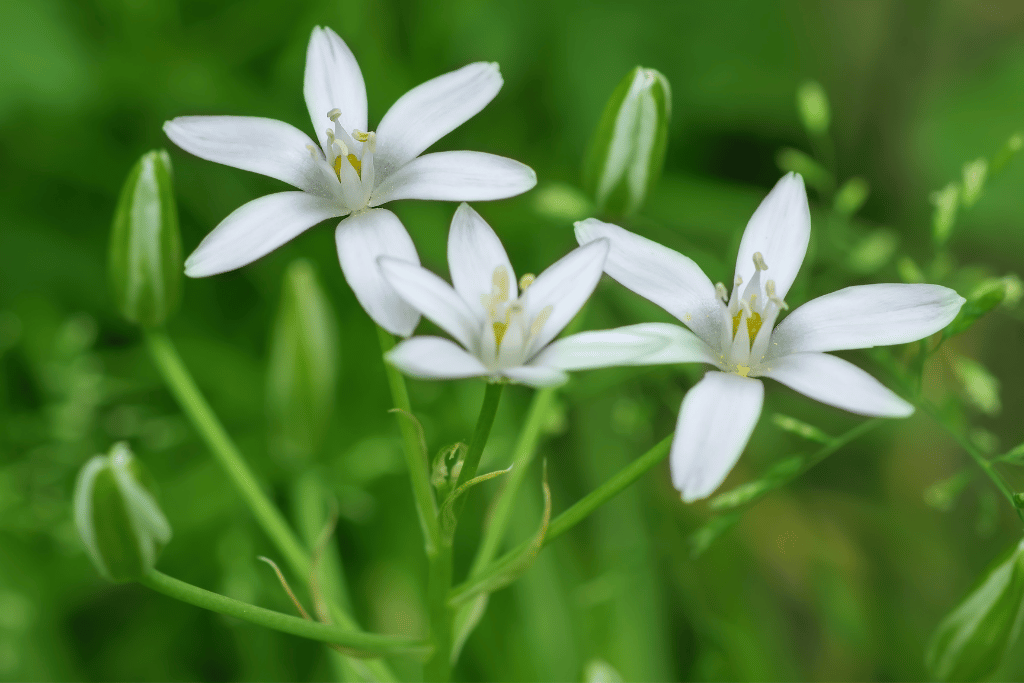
838,383
659,274
456,177
434,298
434,358
430,111
864,316
362,239
564,287
538,377
257,228
333,81
266,146
715,422
474,253
780,230
643,344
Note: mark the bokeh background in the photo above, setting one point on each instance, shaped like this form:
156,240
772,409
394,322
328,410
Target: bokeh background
841,575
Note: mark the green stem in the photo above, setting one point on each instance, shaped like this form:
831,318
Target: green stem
488,410
987,467
585,506
273,523
522,456
438,667
415,458
356,643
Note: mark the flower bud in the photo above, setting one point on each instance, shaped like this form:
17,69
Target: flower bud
628,148
303,366
118,518
812,104
972,640
145,244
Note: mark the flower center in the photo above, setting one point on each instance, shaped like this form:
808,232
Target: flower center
342,146
748,315
513,332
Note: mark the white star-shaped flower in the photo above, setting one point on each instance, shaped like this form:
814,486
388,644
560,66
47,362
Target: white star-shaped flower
736,332
506,328
351,171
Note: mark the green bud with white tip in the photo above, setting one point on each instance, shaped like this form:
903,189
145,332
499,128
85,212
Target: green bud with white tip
303,370
628,148
972,640
145,244
117,516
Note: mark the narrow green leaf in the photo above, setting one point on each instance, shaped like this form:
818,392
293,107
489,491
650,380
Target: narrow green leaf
449,519
777,475
801,429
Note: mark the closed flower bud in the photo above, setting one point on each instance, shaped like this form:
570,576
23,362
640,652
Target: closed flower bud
303,365
145,245
628,148
972,640
118,518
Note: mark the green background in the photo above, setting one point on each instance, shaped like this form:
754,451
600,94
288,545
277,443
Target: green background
842,575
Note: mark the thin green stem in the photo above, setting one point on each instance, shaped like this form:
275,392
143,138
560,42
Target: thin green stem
270,519
522,456
586,505
415,458
987,467
492,396
356,643
438,667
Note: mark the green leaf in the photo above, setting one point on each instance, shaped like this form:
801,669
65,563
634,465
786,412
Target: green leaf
117,516
972,640
801,429
812,105
449,520
780,473
303,369
145,244
627,151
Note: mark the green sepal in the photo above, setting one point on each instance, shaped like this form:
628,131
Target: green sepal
145,244
303,369
972,640
118,519
627,150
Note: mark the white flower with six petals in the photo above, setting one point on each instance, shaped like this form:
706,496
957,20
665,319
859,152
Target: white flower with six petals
736,332
351,172
506,328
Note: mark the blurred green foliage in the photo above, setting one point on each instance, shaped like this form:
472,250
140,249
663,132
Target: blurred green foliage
842,574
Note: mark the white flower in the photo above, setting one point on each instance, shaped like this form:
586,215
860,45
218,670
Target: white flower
351,171
736,332
506,329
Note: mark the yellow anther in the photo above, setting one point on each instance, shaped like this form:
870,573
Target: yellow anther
330,136
759,261
722,293
334,114
499,333
356,164
360,135
539,321
525,281
753,322
499,281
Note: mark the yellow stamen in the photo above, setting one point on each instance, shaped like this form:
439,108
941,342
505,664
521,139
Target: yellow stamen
526,280
743,370
500,281
356,164
499,333
753,324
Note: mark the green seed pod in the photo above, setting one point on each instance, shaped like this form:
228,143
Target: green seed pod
118,518
972,640
303,370
628,148
145,244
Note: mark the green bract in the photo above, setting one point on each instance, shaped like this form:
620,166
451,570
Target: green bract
117,516
303,365
628,148
972,640
145,244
